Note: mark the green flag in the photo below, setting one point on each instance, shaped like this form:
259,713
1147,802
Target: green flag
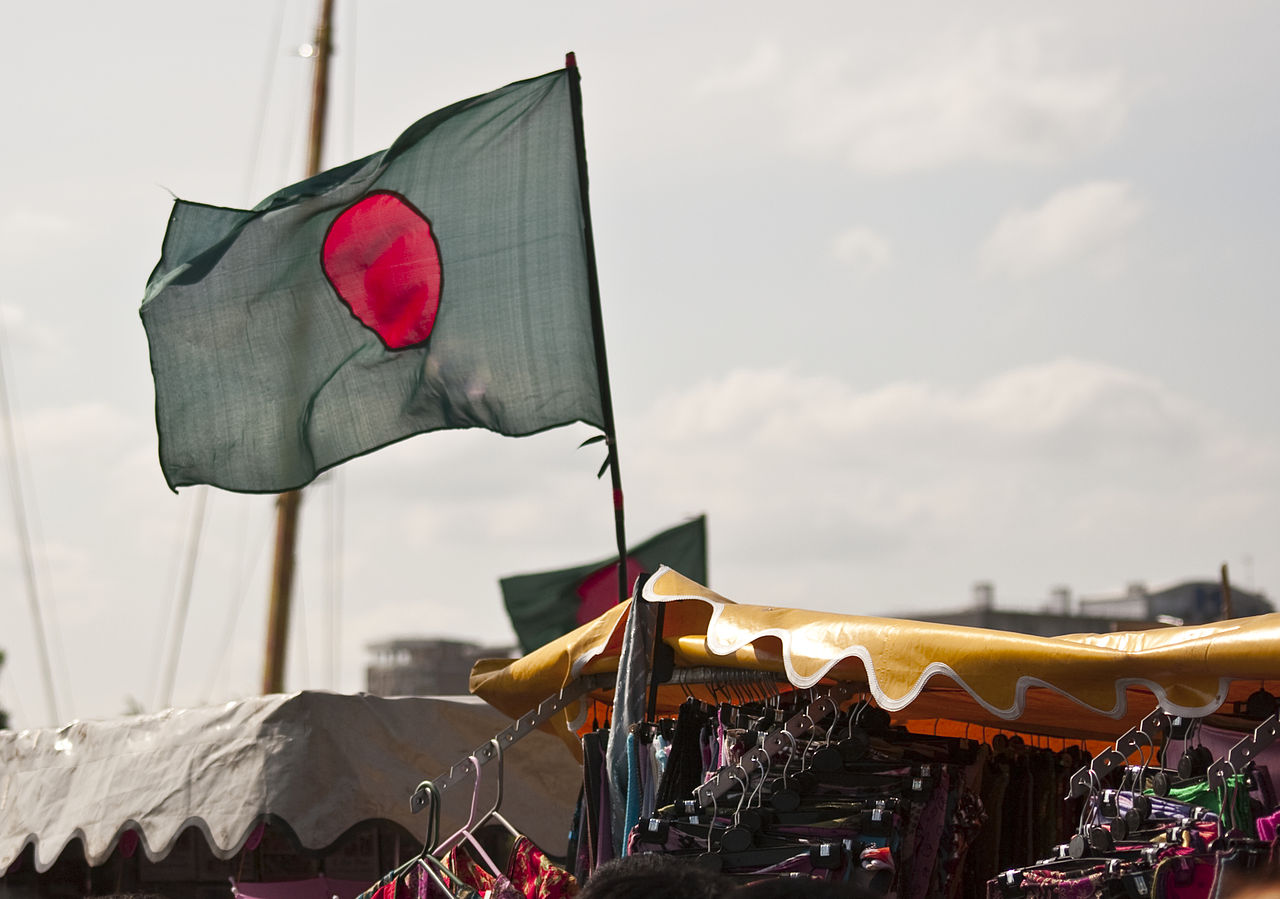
442,283
549,604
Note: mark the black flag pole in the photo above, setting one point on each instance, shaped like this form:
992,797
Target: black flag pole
597,328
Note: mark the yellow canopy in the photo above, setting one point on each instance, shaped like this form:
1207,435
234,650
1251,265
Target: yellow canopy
1083,686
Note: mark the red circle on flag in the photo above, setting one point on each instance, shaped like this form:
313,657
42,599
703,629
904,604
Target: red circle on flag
598,591
382,258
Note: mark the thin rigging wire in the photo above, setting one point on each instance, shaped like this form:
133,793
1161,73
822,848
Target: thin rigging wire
57,649
294,144
268,79
239,592
334,585
48,597
299,634
164,675
24,540
184,597
164,621
336,507
349,148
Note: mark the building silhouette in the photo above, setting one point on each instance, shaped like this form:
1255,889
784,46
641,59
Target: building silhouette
1136,608
426,667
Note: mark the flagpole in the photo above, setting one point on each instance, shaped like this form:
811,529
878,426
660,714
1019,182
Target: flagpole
597,328
287,503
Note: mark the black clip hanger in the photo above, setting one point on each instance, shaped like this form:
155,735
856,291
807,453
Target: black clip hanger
1244,752
1109,760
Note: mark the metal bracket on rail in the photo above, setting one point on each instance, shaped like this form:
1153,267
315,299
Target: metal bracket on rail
525,724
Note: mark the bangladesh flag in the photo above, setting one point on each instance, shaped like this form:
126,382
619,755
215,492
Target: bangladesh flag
548,605
441,283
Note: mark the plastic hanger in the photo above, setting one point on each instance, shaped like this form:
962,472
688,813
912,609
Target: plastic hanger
465,832
492,814
434,869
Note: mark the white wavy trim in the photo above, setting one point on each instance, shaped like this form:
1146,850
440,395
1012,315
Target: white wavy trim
299,758
894,704
575,669
154,845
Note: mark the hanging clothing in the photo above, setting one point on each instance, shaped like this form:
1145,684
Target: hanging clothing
888,812
529,874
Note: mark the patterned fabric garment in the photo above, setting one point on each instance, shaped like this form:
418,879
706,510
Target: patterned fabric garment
1049,884
538,876
429,889
414,883
503,889
530,874
928,837
968,816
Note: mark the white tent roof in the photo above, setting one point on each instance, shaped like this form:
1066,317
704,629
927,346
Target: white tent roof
322,762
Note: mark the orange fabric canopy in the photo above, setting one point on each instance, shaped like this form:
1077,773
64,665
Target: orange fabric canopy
1079,687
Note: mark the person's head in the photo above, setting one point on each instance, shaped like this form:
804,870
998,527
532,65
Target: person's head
653,875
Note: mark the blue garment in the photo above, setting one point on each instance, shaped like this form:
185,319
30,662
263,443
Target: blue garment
628,708
633,787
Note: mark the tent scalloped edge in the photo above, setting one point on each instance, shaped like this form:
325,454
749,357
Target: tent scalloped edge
892,704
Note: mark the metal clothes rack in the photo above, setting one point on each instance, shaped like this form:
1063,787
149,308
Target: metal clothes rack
525,724
778,739
1151,730
575,690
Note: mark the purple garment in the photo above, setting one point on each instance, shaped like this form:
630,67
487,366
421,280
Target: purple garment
1184,878
1162,807
1268,827
1219,741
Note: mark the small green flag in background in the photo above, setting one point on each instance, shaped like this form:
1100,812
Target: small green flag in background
549,604
441,283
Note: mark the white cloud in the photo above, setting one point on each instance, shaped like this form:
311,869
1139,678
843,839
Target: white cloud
819,494
862,249
1032,412
1006,95
1086,223
1037,472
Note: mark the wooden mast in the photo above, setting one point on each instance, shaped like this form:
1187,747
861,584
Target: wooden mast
287,503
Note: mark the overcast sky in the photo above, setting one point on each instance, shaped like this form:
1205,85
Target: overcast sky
901,296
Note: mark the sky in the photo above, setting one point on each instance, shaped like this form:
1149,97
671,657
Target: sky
902,297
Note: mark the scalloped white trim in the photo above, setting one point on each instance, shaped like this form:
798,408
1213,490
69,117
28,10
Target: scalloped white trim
43,858
894,704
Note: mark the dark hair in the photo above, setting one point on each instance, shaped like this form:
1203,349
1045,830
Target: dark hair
653,875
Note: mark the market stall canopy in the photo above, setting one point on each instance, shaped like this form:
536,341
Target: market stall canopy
1086,686
321,762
